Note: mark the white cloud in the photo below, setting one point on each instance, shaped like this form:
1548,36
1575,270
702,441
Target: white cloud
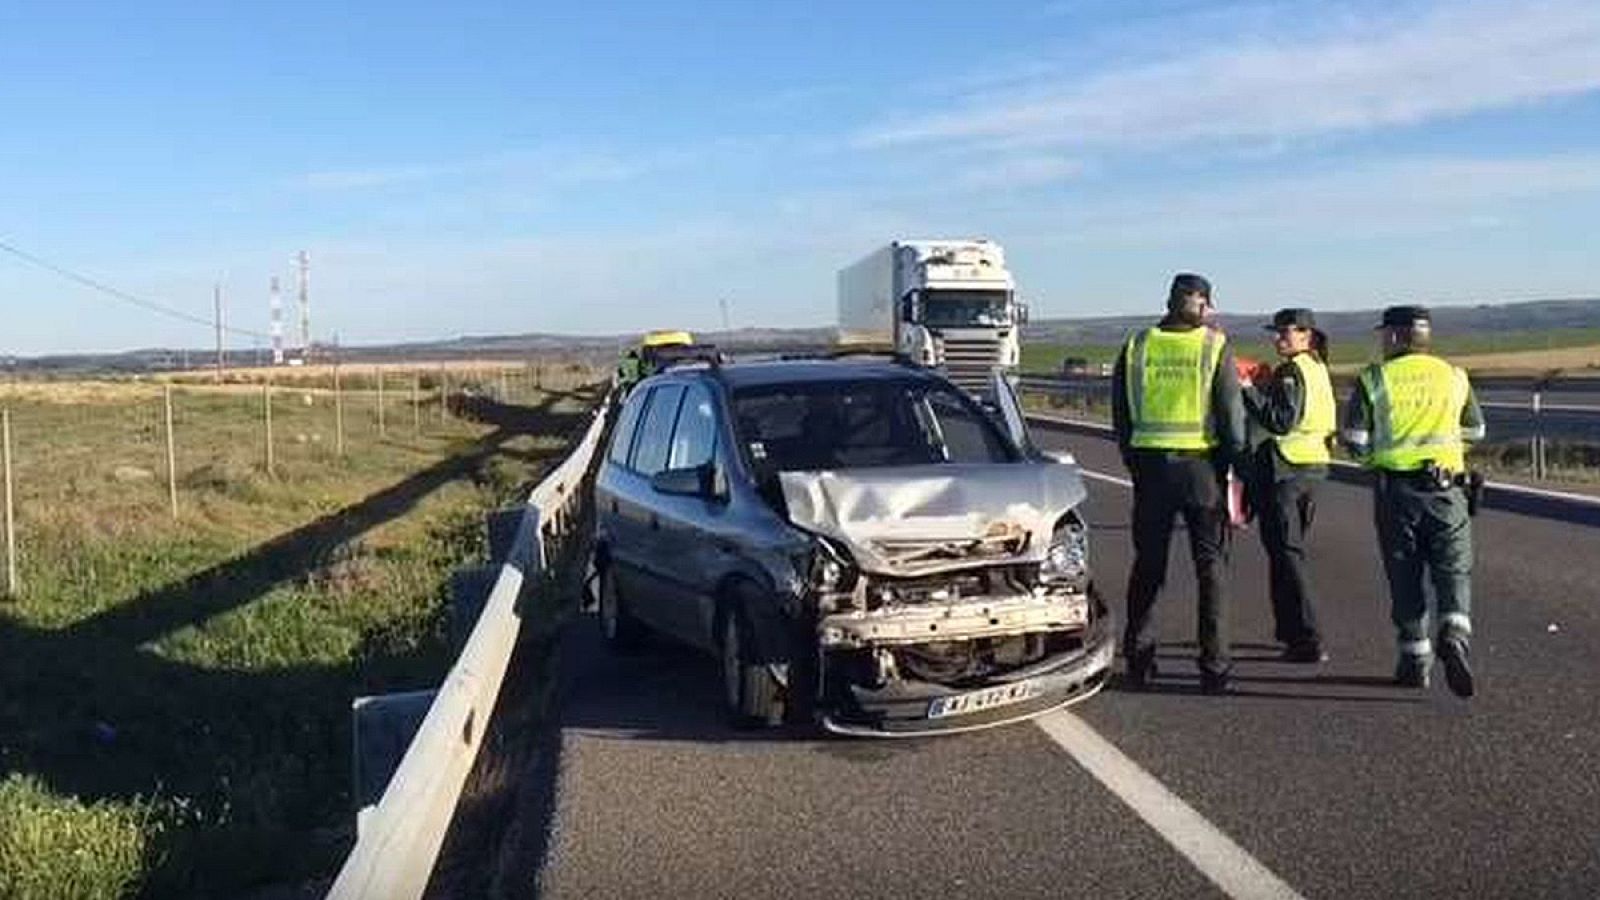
1019,171
1455,59
1396,196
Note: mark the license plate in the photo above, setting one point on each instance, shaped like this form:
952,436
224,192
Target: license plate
978,701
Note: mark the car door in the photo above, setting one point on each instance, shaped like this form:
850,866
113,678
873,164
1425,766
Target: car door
637,509
692,527
615,481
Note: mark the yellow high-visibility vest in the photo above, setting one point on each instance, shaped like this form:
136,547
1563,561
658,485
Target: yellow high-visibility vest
1307,443
1417,400
1169,376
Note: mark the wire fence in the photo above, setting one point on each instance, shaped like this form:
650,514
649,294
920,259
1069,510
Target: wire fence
136,451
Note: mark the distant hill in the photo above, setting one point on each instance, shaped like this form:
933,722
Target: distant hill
1484,319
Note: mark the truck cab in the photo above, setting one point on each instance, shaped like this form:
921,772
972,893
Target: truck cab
949,305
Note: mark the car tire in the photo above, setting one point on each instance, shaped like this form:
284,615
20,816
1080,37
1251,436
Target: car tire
622,632
749,692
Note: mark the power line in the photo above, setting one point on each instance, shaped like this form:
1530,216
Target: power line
124,296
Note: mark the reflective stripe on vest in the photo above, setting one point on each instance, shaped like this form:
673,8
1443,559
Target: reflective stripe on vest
1169,377
1417,400
1307,443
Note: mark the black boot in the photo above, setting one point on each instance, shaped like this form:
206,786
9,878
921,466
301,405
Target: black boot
1453,651
1141,669
1412,671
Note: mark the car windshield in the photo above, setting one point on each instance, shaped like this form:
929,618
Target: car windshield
848,425
964,309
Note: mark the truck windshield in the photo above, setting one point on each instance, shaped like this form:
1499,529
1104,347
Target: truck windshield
849,425
965,309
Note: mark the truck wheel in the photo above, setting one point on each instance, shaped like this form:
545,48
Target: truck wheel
749,691
622,632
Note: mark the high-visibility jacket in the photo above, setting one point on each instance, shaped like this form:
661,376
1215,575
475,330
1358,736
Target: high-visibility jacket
1417,400
1169,380
1307,443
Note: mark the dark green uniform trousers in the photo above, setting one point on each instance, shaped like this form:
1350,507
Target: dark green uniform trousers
1425,536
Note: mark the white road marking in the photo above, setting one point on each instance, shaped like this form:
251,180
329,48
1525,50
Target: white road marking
1228,866
1101,476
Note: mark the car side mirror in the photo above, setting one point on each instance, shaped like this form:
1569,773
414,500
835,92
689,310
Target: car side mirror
696,481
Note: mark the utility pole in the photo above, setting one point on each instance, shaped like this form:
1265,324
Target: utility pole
304,259
216,298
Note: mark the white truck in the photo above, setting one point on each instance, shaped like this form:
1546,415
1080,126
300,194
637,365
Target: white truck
946,304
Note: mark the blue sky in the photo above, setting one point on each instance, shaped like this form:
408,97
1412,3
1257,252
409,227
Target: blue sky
473,168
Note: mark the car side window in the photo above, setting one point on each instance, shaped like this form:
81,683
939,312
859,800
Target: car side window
696,435
622,436
655,430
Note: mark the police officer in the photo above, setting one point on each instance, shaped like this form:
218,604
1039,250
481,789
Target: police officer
1409,418
1296,409
1179,423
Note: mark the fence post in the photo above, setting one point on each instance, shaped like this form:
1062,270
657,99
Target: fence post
172,454
11,520
266,414
416,403
338,411
444,393
505,392
377,372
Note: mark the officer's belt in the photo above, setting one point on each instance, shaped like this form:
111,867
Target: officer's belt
1416,478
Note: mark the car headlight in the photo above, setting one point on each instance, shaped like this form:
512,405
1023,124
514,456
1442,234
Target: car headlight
1067,560
831,570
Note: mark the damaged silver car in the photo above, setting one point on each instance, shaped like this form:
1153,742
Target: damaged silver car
859,543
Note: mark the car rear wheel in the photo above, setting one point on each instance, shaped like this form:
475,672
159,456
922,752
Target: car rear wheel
749,691
623,633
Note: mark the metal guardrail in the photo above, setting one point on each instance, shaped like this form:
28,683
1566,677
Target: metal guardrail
1518,409
1562,505
398,840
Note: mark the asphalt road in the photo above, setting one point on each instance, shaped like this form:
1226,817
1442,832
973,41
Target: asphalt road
1332,780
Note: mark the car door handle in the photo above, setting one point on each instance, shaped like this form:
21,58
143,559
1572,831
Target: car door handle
614,507
655,523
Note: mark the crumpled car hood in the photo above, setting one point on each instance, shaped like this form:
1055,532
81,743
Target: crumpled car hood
919,520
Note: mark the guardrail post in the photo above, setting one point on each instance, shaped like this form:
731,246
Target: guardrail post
1538,435
469,591
502,526
383,728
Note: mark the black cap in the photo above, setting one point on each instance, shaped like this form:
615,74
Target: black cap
1292,317
1185,283
1406,317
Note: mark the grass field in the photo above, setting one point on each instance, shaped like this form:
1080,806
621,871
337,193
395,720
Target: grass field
174,694
1574,350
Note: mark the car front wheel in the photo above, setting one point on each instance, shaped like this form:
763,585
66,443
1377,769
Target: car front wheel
749,691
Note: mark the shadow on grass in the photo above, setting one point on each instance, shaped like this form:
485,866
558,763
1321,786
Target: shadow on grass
259,758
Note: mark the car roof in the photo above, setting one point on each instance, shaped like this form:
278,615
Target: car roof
807,371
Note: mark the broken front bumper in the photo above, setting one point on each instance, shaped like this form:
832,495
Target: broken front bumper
907,708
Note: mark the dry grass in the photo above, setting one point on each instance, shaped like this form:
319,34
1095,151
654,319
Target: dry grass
193,677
